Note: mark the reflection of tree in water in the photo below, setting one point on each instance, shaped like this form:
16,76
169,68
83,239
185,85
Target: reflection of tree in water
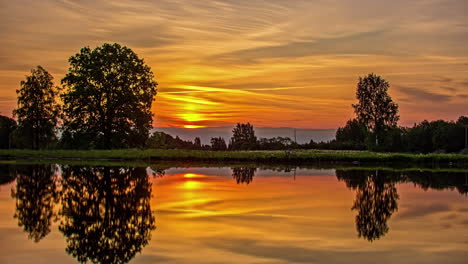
106,212
36,194
7,174
243,174
376,201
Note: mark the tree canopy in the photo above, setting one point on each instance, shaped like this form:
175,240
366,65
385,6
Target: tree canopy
7,126
375,108
108,98
243,137
37,111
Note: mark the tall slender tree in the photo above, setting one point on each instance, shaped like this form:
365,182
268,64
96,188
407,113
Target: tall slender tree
37,112
375,108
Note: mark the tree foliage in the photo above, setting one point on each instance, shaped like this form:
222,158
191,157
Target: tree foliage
7,126
353,133
218,144
108,98
38,111
375,108
243,137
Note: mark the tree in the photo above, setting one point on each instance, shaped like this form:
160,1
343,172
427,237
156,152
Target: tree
197,143
218,144
108,98
37,111
7,126
376,108
243,137
354,133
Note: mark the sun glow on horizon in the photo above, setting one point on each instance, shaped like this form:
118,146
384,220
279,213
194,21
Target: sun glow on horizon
193,126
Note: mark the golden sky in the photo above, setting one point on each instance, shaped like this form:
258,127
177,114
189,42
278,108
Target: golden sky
274,63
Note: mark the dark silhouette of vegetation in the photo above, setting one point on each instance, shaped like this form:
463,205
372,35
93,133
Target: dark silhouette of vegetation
36,195
354,134
7,173
37,112
218,144
375,109
7,127
161,140
243,174
108,98
275,143
243,137
106,212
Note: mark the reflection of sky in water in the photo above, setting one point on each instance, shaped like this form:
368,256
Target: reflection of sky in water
204,216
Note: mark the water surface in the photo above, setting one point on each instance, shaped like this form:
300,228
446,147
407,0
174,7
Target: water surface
96,214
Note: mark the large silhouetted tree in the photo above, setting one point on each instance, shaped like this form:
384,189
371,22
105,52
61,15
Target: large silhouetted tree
375,108
108,98
243,137
36,195
106,213
38,111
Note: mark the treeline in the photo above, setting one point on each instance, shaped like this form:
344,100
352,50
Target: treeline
106,100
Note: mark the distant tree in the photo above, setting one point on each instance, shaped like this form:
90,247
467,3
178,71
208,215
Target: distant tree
218,144
243,137
7,126
375,108
197,143
37,111
275,143
354,132
108,98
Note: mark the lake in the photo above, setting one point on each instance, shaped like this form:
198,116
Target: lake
53,213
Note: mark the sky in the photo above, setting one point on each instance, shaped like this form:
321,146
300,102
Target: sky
273,63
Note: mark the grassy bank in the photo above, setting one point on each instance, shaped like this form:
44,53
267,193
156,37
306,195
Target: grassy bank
296,156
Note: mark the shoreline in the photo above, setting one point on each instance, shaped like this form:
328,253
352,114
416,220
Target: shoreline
293,157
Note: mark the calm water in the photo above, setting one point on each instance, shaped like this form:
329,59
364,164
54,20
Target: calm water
72,214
